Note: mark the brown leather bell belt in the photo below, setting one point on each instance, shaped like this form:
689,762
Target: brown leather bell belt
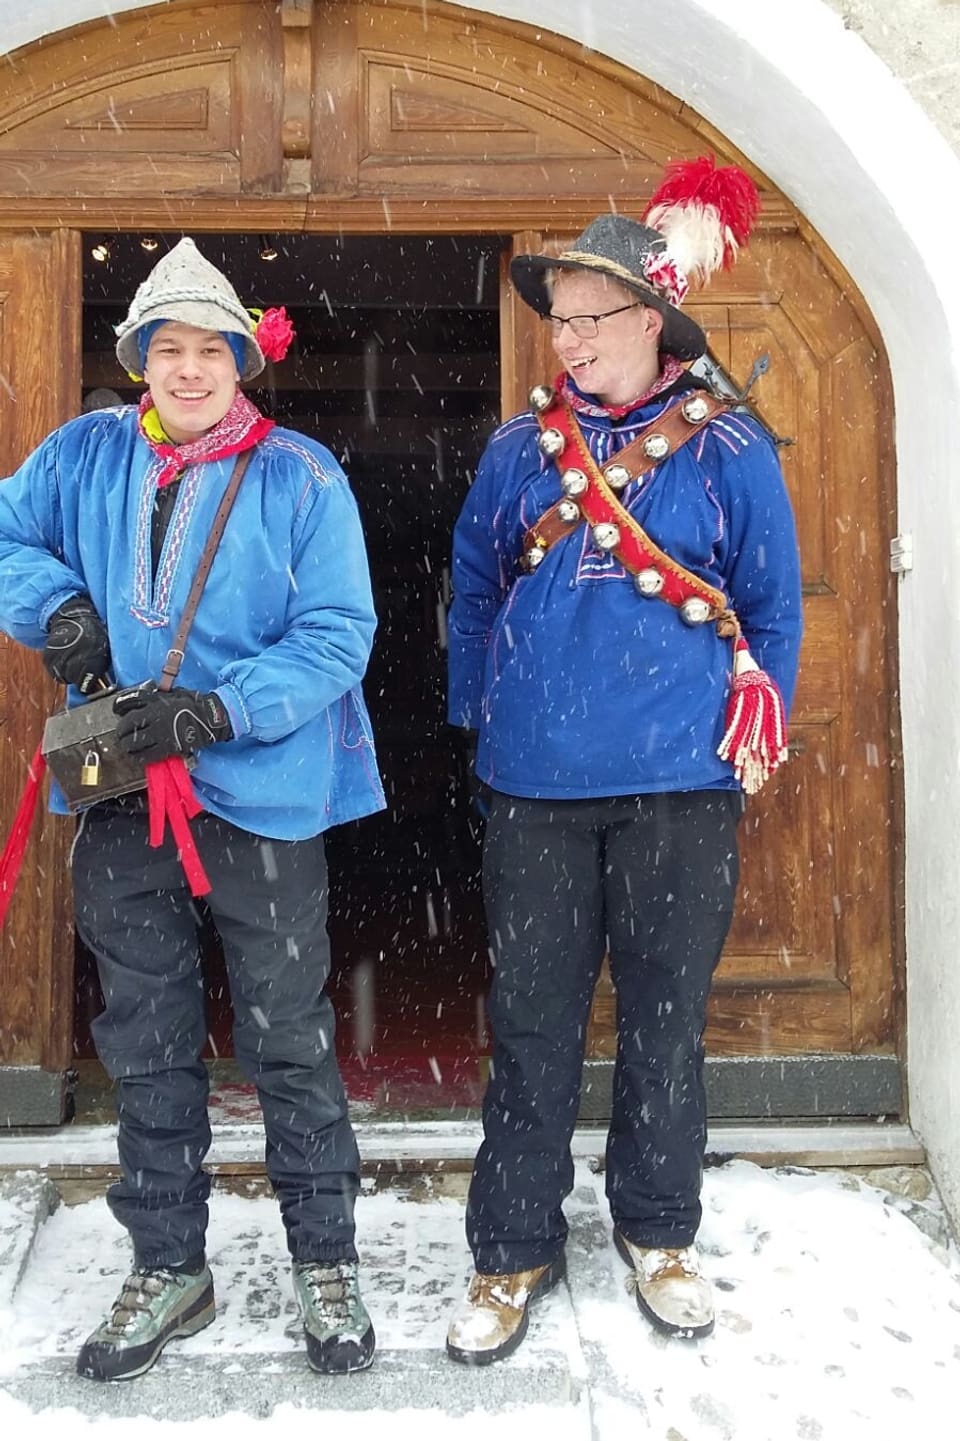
589,495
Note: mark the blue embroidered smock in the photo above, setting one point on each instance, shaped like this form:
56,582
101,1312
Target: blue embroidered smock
578,685
283,630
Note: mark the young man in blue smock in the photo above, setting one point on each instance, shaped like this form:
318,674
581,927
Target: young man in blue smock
623,637
101,532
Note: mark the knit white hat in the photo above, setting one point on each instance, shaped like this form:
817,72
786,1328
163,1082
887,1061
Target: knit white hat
186,287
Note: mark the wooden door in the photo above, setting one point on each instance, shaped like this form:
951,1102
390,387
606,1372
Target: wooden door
411,116
39,388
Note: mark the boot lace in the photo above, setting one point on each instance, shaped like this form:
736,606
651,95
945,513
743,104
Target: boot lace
330,1288
139,1290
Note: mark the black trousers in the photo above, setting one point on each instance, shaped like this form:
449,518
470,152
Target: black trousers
651,880
269,903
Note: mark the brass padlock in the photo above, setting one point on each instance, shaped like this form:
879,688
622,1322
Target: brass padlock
90,770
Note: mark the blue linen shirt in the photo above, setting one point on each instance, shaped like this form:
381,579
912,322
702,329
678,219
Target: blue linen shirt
578,685
285,623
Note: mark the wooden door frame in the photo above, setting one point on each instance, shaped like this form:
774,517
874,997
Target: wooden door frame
834,1084
303,176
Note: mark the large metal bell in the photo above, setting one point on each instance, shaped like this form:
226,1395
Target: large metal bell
649,581
551,442
573,482
655,447
541,398
606,535
617,476
568,511
695,409
695,610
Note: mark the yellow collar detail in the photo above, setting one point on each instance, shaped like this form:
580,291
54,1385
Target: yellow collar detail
151,424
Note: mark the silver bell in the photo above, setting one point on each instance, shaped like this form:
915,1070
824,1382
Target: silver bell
568,511
655,447
695,610
649,581
572,482
695,409
534,556
617,476
541,398
551,442
606,535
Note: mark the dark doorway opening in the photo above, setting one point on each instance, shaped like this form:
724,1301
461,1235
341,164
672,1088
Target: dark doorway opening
396,369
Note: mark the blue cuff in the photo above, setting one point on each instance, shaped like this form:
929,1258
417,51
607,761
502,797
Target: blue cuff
236,710
55,602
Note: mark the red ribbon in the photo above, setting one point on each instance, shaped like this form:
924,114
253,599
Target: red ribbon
13,852
170,795
172,798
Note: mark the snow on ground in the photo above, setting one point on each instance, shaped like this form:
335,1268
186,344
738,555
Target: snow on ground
838,1318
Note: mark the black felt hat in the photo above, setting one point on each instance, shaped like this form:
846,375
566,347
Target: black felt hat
695,224
622,248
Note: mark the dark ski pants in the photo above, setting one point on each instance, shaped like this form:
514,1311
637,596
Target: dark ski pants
651,880
269,904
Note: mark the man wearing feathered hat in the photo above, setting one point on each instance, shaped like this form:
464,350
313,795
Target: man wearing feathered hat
102,531
623,636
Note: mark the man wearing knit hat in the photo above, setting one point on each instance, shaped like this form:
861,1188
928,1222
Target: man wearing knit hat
626,545
102,530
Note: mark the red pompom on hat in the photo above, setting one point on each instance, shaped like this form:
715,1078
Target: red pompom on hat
705,214
274,333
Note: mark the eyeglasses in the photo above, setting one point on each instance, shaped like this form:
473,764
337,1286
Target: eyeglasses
586,326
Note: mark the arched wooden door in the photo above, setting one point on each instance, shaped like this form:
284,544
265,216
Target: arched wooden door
419,118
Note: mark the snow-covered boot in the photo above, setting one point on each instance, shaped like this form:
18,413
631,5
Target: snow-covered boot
669,1287
493,1318
338,1329
154,1306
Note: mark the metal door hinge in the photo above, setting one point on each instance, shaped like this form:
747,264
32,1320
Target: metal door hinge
901,554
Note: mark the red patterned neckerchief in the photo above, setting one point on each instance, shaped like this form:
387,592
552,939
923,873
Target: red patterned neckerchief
242,427
669,374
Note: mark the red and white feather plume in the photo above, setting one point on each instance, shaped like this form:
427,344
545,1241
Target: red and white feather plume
705,214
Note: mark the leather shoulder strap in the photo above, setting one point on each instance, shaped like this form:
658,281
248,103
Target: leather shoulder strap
665,435
589,496
174,660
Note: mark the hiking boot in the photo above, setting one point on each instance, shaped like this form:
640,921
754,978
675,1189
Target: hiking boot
493,1319
155,1305
339,1332
670,1290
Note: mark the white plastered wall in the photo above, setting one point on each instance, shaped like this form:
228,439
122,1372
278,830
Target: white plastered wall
839,133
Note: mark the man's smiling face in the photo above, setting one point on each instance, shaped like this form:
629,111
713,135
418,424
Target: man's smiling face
192,375
622,360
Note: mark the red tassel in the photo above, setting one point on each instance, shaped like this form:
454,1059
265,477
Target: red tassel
755,741
172,798
13,852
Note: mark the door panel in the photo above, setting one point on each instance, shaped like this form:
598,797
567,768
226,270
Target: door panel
39,388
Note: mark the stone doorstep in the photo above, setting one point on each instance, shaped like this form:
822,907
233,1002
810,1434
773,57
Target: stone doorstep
451,1145
26,1200
207,1386
189,1388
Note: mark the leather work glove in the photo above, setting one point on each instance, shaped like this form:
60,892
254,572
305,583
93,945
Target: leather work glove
77,651
155,724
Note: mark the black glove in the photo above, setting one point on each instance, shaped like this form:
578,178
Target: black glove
77,651
156,724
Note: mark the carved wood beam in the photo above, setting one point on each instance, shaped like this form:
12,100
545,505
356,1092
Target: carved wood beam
296,19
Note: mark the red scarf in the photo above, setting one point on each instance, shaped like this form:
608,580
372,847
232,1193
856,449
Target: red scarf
670,372
242,427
